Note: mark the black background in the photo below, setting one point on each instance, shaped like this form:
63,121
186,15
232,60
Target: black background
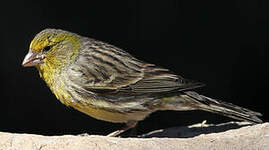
221,43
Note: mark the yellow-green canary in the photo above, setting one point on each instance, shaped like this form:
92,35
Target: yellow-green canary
109,84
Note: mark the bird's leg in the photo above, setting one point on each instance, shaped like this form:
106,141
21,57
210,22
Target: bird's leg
133,132
129,125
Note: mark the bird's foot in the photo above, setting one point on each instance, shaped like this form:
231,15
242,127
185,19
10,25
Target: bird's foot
129,125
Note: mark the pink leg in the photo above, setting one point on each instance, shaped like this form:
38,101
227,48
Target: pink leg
129,125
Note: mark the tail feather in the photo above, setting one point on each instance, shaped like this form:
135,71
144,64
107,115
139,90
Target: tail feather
225,109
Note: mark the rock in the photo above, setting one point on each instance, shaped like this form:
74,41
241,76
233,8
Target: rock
232,135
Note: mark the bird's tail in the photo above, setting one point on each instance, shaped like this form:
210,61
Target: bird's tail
224,108
217,106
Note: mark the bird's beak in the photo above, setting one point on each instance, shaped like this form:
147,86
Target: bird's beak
32,59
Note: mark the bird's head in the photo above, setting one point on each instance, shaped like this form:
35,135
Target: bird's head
52,48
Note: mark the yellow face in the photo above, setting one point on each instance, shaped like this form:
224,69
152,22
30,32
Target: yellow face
51,45
43,40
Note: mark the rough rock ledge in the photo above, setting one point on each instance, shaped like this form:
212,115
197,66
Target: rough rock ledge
231,135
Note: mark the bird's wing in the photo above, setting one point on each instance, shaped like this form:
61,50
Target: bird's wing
157,80
114,73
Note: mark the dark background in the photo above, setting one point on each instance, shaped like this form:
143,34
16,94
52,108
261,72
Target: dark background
221,43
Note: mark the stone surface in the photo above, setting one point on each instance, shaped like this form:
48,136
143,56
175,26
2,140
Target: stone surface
232,135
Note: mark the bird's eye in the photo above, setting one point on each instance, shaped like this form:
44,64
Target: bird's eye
47,48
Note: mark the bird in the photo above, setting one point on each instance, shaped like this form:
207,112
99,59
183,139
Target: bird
109,84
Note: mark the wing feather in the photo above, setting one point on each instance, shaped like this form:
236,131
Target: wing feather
117,75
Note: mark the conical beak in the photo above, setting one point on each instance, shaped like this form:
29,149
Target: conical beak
32,59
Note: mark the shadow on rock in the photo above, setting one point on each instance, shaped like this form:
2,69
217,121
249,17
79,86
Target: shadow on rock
194,130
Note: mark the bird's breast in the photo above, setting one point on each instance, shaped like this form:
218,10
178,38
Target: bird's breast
68,94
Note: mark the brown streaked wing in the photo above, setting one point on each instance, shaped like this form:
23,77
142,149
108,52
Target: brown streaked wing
157,80
113,74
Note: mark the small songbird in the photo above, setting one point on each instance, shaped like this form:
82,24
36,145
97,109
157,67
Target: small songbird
109,84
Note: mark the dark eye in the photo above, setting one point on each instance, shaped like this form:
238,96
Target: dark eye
47,48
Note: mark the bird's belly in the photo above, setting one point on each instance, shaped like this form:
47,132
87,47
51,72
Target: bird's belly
95,109
110,116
